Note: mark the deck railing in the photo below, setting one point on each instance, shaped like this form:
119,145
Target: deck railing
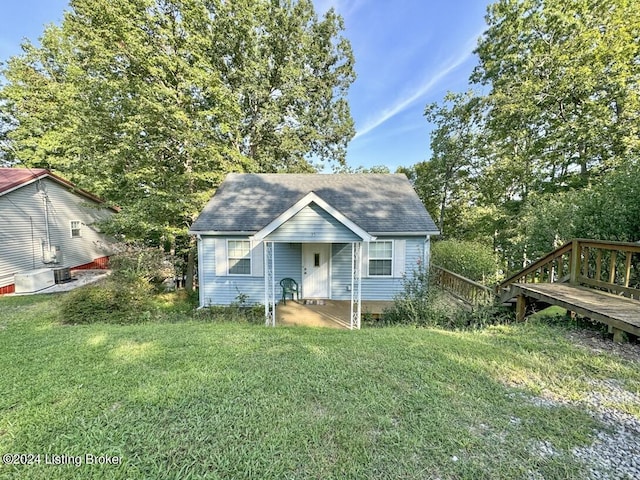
470,292
605,265
610,266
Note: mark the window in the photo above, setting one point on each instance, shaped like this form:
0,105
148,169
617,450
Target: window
239,257
76,225
380,258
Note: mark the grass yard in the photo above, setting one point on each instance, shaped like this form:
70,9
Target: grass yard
197,399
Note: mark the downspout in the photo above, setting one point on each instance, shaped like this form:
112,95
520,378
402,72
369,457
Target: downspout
200,271
426,253
426,259
33,246
46,220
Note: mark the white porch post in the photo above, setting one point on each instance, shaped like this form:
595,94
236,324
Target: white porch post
269,284
356,285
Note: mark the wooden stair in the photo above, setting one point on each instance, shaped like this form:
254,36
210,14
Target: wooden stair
594,278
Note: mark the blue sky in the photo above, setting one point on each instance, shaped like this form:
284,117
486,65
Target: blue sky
408,53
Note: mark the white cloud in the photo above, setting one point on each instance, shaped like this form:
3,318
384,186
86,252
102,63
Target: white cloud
421,91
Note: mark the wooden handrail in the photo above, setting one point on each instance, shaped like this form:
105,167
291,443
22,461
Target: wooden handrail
610,244
581,266
464,279
465,289
544,261
571,262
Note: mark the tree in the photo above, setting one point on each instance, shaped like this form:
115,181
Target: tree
608,210
558,122
562,108
149,103
564,81
442,181
291,74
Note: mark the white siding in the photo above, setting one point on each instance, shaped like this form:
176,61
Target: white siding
23,231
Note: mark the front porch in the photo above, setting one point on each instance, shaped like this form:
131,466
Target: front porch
324,313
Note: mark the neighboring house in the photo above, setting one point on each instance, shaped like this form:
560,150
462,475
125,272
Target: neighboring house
45,221
342,237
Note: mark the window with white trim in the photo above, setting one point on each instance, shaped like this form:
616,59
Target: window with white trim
239,257
76,228
381,258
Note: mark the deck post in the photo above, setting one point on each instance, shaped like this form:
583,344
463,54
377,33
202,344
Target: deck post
618,335
521,308
575,262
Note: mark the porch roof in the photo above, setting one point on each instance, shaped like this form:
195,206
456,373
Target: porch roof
375,203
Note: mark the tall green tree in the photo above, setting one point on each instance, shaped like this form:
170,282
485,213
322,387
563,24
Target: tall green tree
443,181
290,73
564,78
149,103
607,210
558,121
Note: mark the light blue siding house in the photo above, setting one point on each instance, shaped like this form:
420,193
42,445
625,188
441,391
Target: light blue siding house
346,237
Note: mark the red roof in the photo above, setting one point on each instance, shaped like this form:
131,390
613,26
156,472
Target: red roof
12,178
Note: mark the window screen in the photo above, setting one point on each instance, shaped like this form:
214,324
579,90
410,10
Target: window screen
76,226
239,257
380,258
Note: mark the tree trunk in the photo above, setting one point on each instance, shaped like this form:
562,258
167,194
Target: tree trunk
443,205
188,284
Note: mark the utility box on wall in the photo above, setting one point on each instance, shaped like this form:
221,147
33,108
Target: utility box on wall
52,255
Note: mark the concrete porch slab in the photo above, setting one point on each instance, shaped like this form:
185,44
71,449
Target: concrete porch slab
327,313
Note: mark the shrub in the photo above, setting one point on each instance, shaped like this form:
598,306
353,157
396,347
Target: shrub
417,304
430,310
420,305
232,313
110,301
134,263
469,259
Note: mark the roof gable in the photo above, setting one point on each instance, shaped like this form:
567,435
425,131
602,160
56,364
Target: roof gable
307,200
376,203
13,178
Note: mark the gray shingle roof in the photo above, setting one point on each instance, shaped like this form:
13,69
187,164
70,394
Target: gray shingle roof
376,202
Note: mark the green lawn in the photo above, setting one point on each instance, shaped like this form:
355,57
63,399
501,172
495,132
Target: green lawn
192,399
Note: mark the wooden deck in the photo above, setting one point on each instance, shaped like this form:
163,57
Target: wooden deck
618,312
599,279
325,313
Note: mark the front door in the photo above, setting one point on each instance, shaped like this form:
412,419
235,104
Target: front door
315,270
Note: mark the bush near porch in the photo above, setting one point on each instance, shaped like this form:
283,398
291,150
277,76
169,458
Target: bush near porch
179,397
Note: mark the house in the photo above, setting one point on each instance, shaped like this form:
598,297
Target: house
45,223
343,237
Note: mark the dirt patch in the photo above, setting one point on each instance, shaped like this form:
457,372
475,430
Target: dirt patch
597,343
